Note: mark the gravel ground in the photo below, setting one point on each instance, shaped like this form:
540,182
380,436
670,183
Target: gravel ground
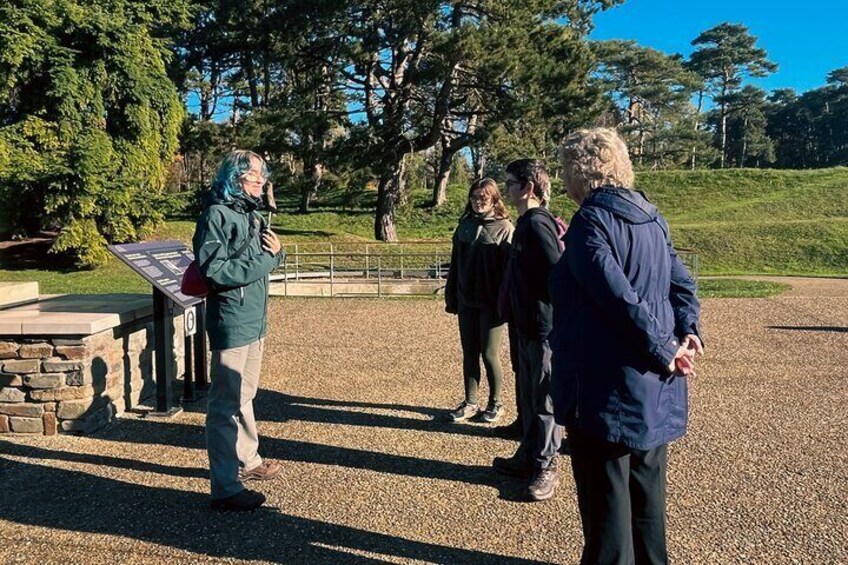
350,392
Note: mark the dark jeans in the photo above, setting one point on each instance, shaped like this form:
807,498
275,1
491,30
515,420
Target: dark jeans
480,331
541,436
621,495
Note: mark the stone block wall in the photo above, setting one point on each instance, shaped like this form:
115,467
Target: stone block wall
78,384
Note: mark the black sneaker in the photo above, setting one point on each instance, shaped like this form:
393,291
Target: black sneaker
544,483
516,466
510,431
463,412
493,413
243,501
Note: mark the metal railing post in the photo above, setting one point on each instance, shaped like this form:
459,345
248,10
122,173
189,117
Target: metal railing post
296,263
285,275
379,275
332,269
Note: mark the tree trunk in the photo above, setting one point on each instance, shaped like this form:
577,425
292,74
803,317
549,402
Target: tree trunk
744,143
478,158
388,196
403,195
310,189
251,81
440,187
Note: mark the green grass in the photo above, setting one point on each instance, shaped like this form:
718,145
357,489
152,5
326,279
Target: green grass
737,288
739,222
757,221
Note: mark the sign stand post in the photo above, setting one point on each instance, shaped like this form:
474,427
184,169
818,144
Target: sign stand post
164,339
201,371
188,379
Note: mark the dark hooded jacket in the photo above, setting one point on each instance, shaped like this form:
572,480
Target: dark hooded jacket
478,260
236,311
622,301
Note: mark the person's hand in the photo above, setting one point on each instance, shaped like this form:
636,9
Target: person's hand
683,363
693,343
271,243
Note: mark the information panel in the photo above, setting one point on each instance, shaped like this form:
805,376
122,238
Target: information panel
162,263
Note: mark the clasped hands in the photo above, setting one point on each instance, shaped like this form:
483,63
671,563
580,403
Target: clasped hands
684,360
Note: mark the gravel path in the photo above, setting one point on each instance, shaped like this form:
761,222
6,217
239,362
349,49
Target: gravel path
351,389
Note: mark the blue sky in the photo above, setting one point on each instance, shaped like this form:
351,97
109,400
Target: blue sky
806,39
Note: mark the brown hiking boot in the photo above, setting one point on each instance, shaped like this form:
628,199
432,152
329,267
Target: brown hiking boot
264,472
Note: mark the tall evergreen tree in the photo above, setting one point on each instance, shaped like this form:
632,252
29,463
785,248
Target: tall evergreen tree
724,56
651,93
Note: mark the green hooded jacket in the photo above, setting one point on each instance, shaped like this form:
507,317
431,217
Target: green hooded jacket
478,261
236,308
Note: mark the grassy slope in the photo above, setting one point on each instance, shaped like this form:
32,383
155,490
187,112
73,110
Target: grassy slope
740,222
755,221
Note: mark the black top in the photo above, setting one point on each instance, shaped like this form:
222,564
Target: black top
534,250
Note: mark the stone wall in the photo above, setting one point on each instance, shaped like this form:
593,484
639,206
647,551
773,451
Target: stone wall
77,384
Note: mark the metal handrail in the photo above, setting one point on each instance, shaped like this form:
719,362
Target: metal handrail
364,265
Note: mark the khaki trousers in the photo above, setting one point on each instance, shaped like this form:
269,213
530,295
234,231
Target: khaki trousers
231,437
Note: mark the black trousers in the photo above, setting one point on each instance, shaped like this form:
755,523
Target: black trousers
513,359
621,493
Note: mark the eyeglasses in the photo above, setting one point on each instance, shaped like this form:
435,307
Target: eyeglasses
480,199
253,177
511,181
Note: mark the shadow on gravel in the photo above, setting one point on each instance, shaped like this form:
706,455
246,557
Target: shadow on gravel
39,495
836,329
192,437
21,450
273,406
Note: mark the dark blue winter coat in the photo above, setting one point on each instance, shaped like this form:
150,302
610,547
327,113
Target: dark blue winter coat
622,301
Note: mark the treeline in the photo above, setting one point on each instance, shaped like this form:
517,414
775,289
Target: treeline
106,108
658,101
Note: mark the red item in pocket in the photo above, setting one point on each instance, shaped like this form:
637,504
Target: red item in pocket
193,283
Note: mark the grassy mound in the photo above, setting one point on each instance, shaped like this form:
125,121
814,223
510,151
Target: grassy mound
757,221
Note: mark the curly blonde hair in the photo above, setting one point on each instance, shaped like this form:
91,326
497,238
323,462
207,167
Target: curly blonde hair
592,158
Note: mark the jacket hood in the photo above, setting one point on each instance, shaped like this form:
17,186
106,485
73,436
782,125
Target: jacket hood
629,205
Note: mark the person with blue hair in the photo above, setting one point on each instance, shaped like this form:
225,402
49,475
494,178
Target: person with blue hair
235,251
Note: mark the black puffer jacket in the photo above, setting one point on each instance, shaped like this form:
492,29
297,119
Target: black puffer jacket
478,260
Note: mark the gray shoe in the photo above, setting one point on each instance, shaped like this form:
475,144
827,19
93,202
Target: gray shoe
544,483
463,412
493,413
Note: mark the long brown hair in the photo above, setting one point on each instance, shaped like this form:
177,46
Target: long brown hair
492,191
